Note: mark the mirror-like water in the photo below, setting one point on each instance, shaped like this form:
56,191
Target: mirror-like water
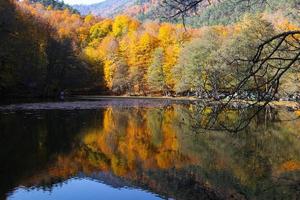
146,152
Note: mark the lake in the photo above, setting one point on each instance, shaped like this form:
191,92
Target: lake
135,149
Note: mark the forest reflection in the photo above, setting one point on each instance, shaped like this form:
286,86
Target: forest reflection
161,149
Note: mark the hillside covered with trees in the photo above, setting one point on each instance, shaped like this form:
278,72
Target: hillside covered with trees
112,8
123,55
212,13
55,4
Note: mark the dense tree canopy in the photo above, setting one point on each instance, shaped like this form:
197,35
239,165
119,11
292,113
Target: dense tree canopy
125,56
260,53
39,51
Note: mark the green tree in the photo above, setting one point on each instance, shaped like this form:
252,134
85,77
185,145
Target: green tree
155,74
241,48
198,63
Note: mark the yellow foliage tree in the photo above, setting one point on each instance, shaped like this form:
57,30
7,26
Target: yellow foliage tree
141,60
124,24
101,29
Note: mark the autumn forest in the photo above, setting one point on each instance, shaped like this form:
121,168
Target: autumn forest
149,99
46,49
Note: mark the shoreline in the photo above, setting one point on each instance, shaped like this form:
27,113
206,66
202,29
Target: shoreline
97,101
274,104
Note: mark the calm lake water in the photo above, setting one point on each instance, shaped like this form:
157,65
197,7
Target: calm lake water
145,151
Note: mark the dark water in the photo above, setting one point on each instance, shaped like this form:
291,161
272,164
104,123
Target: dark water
146,152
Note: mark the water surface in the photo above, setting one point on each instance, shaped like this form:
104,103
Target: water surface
145,151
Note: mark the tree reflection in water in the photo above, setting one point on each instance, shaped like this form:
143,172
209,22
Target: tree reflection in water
166,150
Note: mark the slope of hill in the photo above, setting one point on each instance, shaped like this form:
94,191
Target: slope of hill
55,4
220,12
110,8
230,11
106,8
